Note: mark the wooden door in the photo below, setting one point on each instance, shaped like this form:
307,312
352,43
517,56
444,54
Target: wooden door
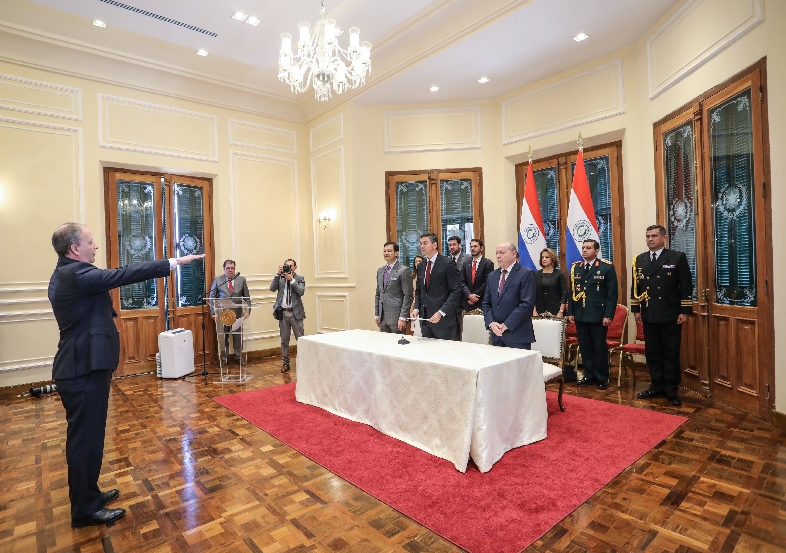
134,233
678,164
738,261
189,232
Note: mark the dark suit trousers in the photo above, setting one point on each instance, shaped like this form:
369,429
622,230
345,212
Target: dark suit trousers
86,400
662,350
500,341
440,330
594,351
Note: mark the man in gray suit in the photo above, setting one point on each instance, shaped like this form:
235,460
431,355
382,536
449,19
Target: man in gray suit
232,286
394,292
291,287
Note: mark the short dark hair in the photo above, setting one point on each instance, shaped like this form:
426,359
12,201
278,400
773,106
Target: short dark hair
456,238
65,236
415,259
391,243
292,260
595,243
228,261
431,236
478,240
660,228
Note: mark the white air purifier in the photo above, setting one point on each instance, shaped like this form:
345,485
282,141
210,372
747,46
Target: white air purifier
176,347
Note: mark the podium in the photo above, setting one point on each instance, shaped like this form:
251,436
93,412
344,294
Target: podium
230,313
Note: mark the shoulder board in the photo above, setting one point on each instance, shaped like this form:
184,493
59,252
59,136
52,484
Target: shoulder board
578,262
607,262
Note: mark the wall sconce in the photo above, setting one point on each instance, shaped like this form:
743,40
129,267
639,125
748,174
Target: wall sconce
325,217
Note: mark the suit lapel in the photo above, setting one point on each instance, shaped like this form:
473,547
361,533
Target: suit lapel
390,275
513,270
650,267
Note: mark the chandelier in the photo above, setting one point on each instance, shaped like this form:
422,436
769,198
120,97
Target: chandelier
321,61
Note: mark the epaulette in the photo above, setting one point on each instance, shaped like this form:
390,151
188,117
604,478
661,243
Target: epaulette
578,262
607,262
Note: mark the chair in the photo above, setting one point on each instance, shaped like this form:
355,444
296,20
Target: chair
475,331
634,348
572,344
616,335
549,341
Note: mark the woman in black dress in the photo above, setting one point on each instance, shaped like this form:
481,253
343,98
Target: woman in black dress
551,286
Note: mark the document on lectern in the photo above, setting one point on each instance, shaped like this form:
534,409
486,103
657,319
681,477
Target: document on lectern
238,323
225,303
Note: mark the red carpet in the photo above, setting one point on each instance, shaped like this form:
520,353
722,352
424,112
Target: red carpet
527,492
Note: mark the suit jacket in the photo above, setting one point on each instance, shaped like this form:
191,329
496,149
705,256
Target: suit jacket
600,286
220,289
463,258
298,286
485,266
667,282
393,301
443,292
514,306
79,294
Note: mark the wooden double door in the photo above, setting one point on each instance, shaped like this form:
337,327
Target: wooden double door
158,216
712,175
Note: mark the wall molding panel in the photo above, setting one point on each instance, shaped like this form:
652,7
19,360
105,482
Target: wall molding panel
7,317
131,125
325,298
236,189
262,137
676,50
75,133
40,98
432,130
264,333
327,133
22,364
327,241
589,96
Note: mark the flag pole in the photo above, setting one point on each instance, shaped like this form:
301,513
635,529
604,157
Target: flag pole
580,141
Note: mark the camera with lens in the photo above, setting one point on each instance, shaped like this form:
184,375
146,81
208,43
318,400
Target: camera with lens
287,269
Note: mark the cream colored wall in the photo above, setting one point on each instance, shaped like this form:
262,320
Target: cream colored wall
57,132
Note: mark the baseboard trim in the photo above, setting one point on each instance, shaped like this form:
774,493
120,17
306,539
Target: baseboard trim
778,419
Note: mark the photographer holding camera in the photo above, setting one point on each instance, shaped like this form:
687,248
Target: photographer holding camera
288,308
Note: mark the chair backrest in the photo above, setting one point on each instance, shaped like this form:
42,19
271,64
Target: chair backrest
639,331
475,330
617,326
549,337
570,330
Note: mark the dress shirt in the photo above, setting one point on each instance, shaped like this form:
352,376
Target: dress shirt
286,298
657,254
172,263
433,260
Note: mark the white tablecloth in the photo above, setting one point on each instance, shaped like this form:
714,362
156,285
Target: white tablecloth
451,399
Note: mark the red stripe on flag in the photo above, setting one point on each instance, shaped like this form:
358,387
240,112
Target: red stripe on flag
531,197
581,188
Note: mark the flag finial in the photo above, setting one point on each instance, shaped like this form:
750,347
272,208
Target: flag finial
530,154
580,141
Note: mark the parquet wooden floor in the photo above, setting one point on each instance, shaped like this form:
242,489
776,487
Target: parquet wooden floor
196,477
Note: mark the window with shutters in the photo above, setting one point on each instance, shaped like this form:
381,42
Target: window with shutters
448,202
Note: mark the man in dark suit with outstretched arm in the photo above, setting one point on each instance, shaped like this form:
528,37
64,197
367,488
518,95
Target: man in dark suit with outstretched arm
87,354
438,292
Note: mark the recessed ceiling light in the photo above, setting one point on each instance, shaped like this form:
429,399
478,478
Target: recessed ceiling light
99,23
240,16
483,80
581,36
201,52
253,20
433,89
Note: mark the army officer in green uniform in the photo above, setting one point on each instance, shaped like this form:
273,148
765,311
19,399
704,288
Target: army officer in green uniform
661,299
591,303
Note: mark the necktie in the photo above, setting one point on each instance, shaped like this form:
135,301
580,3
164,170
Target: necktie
502,281
586,266
474,269
428,273
231,287
653,256
385,276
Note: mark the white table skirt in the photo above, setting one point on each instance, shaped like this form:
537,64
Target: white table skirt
450,399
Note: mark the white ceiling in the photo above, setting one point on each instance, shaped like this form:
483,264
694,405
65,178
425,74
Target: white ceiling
532,41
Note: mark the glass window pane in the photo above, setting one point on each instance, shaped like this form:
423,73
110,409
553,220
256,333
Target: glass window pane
731,175
548,197
136,238
680,202
188,233
599,179
411,217
456,210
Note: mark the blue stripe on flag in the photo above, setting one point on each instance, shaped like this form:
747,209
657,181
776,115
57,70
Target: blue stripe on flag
572,253
524,257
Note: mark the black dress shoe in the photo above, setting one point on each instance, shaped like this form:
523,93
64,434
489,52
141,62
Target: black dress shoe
650,394
104,516
603,385
586,382
110,495
285,368
675,400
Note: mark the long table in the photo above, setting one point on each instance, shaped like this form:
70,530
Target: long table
451,399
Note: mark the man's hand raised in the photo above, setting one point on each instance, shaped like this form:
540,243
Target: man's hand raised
186,259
